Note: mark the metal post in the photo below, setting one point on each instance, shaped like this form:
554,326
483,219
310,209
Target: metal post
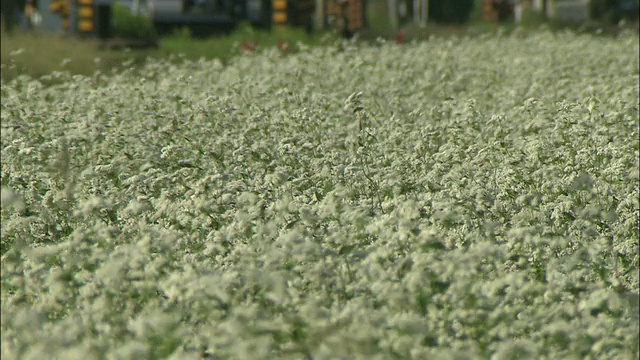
102,18
550,9
320,14
8,14
425,13
73,18
393,14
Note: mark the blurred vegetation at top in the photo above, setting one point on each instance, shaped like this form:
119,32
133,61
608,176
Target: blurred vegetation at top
36,53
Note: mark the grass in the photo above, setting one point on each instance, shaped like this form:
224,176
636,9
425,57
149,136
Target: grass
222,47
39,54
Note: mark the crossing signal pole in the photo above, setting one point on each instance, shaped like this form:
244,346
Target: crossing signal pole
84,16
78,16
279,11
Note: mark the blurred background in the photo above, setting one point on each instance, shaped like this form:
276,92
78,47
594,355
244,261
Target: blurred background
90,35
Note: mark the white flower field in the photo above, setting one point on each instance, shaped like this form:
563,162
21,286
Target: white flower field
458,198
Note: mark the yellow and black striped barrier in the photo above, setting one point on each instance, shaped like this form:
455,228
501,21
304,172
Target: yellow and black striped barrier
84,23
62,8
279,13
83,14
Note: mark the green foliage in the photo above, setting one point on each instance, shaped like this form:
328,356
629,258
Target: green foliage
453,199
450,11
532,18
224,47
125,24
612,11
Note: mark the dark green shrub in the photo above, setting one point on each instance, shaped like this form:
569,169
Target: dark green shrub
612,11
450,11
125,24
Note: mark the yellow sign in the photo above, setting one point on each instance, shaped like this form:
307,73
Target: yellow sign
61,7
85,12
279,5
85,25
280,17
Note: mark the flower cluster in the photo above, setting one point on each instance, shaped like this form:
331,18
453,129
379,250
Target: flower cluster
457,198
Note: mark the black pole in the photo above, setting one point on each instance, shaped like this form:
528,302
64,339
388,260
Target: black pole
8,9
102,19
